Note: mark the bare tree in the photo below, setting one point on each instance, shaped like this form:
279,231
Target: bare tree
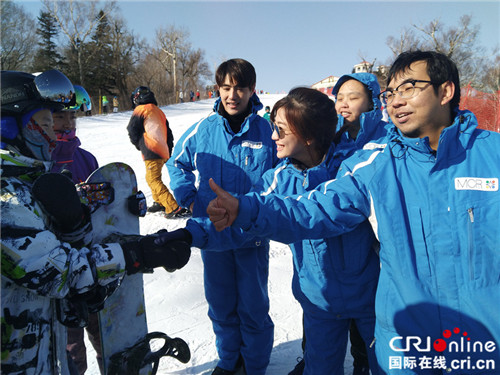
150,72
459,43
406,41
125,51
172,41
193,68
17,36
77,21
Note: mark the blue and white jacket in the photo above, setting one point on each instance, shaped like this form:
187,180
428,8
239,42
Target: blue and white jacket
436,215
335,274
210,149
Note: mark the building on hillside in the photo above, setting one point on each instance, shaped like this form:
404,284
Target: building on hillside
326,85
362,67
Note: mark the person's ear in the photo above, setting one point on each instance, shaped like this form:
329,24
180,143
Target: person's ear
447,93
252,89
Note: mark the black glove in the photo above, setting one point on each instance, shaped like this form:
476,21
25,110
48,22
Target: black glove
65,216
163,237
144,255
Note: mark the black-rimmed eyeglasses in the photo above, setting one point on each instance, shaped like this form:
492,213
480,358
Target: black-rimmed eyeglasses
405,90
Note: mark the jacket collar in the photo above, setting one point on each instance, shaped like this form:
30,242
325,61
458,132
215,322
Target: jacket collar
319,173
65,148
453,140
369,123
255,107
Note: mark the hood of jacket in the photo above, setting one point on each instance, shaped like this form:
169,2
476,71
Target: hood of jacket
371,124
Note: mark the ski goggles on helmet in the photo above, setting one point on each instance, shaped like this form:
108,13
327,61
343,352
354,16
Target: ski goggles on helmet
54,86
81,98
22,91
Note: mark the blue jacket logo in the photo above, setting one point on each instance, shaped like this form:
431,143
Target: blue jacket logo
475,183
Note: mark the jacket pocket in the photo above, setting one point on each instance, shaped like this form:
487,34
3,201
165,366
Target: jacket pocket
482,257
421,253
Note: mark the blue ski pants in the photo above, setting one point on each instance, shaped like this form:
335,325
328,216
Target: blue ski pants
326,341
238,300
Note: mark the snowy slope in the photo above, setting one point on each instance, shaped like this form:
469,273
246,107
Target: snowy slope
175,301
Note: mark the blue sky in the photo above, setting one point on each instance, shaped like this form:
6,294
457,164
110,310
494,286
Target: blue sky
293,43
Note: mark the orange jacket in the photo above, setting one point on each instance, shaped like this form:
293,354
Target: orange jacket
148,131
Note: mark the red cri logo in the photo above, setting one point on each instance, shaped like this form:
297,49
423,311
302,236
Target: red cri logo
440,345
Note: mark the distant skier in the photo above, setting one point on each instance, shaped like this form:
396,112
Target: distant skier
267,114
49,268
150,133
105,104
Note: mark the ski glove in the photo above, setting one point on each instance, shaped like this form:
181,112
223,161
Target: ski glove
144,254
163,237
65,215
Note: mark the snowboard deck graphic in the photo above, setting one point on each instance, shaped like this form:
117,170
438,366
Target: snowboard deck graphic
122,321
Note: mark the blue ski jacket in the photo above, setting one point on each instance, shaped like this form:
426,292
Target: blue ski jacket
212,150
372,127
436,215
334,274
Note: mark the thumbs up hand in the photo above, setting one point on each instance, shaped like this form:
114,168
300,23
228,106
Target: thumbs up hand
222,210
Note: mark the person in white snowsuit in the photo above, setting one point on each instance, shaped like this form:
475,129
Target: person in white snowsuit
48,259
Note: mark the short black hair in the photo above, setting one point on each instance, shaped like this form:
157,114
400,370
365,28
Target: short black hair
440,69
240,71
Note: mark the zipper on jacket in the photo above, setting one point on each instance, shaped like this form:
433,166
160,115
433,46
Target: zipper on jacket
471,242
305,178
246,161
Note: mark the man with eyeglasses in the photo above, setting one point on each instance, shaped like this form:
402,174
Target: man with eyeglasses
430,191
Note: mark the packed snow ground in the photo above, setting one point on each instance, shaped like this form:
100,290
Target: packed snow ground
175,302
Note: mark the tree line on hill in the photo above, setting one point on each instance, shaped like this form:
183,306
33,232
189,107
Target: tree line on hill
99,52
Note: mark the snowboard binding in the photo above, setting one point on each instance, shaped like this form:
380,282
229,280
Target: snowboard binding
132,359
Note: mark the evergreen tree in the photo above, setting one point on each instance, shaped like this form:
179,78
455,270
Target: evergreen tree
47,56
100,50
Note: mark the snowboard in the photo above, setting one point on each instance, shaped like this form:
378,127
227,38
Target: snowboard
122,321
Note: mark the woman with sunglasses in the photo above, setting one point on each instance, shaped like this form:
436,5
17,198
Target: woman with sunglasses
334,278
